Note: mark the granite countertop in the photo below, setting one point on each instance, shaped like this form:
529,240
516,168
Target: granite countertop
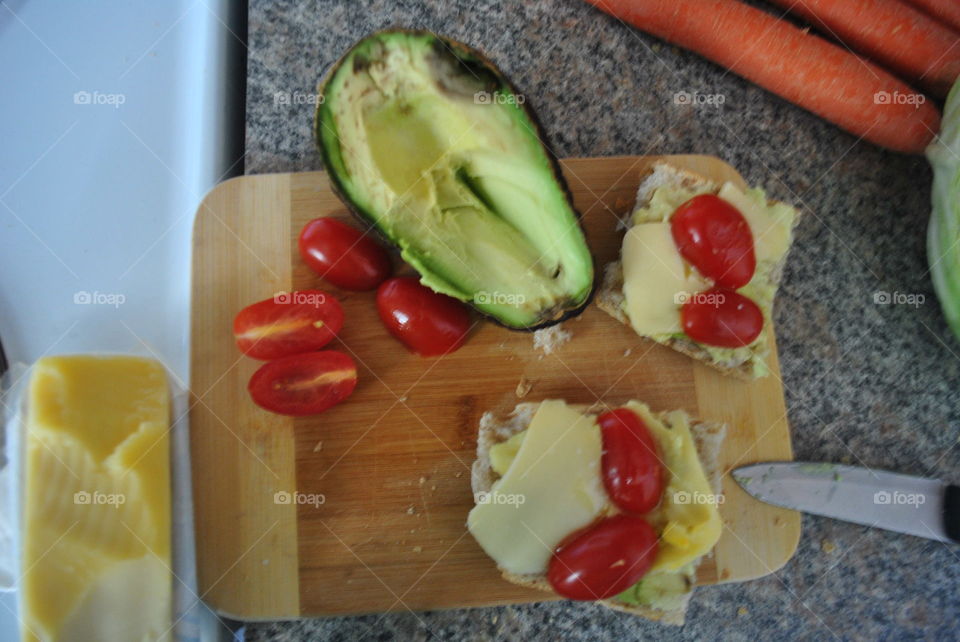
869,384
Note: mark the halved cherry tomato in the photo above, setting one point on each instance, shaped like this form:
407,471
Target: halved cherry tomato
715,237
426,322
343,255
604,559
289,323
632,473
304,384
723,318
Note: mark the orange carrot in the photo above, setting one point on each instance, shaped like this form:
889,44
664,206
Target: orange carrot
890,32
946,11
817,75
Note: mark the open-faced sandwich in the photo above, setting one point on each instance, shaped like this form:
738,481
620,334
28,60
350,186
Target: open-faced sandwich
613,505
699,269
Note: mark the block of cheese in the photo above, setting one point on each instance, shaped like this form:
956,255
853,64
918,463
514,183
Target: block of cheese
96,517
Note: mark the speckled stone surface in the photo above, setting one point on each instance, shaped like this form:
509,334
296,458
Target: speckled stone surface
870,384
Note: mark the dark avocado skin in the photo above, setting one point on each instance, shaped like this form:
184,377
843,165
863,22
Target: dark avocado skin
475,59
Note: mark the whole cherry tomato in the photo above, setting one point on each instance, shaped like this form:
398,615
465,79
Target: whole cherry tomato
715,237
289,323
632,473
603,560
722,318
343,255
303,384
426,322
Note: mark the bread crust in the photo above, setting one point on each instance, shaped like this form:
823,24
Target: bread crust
494,429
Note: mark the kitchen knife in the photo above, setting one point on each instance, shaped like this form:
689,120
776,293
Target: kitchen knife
895,502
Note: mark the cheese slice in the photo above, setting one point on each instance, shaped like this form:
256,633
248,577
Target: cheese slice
551,489
96,529
656,279
769,224
687,518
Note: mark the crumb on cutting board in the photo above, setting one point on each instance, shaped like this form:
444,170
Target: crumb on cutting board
742,611
523,387
827,546
550,339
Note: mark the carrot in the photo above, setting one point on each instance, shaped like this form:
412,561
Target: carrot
946,11
890,32
819,76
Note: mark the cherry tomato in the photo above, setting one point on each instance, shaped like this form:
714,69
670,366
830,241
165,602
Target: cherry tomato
713,235
289,323
723,318
632,473
604,559
303,384
426,322
343,255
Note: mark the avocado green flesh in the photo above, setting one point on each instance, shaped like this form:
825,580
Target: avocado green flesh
462,186
665,591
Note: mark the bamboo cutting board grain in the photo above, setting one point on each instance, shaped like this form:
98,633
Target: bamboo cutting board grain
363,508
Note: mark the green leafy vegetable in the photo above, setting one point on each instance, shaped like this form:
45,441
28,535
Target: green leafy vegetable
943,233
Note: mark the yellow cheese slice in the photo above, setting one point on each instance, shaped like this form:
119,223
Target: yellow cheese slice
96,530
551,489
656,279
769,224
687,517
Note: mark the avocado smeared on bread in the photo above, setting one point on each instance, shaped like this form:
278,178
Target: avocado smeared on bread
427,141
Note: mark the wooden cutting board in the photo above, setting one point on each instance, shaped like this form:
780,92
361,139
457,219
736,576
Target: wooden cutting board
385,477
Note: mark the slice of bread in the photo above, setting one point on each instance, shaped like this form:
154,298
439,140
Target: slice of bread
498,428
611,299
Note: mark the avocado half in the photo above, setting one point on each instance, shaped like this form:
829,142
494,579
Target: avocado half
426,140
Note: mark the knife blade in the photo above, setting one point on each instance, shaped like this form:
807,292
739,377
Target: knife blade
892,501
